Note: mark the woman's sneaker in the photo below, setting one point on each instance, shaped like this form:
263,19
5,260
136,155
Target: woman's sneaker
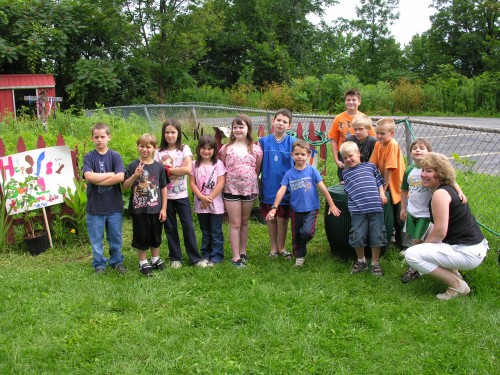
146,269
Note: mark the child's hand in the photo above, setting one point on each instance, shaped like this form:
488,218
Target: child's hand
339,164
163,215
462,198
271,215
139,170
206,200
334,210
402,214
383,198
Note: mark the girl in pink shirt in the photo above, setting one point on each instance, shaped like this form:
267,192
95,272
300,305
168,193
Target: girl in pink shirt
243,160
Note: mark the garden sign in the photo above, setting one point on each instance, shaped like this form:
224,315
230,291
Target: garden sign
53,168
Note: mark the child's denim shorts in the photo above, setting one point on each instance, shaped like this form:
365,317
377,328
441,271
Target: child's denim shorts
368,229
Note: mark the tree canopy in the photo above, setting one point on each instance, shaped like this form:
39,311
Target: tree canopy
114,52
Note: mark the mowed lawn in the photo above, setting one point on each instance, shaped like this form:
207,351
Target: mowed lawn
57,317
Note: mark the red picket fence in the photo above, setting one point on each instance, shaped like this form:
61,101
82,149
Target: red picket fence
317,140
21,147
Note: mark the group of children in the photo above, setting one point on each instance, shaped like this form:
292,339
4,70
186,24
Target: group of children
227,180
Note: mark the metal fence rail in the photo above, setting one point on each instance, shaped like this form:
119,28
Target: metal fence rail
475,152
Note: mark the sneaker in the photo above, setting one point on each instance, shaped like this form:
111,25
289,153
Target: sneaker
176,264
377,270
159,265
410,275
210,264
238,263
100,271
244,258
202,263
146,269
359,267
299,262
120,268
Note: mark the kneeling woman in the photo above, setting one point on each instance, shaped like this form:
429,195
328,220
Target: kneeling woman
455,242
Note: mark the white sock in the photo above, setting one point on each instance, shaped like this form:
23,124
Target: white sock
374,263
143,262
154,259
362,260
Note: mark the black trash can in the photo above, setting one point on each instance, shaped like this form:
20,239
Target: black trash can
337,227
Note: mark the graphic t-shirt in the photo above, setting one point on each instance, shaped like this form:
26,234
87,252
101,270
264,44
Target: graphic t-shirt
177,187
145,196
303,190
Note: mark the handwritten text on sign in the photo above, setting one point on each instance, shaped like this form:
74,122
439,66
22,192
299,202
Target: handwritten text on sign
53,168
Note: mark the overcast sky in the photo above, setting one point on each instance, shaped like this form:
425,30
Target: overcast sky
413,17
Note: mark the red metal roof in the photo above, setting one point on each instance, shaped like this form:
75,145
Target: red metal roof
10,81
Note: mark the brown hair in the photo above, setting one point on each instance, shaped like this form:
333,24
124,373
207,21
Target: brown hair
285,112
352,92
178,143
101,126
243,119
423,141
302,144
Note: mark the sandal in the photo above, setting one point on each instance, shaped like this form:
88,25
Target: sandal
451,293
285,254
273,255
410,275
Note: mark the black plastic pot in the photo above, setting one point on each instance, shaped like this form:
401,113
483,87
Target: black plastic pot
38,244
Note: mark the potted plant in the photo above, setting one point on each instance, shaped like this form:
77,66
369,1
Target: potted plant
23,197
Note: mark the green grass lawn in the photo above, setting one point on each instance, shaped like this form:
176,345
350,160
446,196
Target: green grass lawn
270,318
57,317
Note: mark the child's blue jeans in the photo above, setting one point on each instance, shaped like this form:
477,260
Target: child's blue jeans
112,225
303,229
212,240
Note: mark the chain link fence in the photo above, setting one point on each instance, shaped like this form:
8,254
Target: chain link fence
475,152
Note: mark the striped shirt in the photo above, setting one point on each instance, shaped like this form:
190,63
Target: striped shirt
362,187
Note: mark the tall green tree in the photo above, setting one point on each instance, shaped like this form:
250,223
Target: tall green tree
262,41
466,35
376,53
173,34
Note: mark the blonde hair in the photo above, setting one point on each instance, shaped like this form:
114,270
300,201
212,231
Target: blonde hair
389,122
439,162
348,146
147,139
362,120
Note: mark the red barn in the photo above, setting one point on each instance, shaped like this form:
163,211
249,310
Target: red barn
14,87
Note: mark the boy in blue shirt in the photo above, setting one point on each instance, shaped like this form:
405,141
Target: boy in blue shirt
365,191
104,172
277,160
303,182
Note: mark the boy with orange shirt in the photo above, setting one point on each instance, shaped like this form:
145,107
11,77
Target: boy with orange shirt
342,127
388,158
